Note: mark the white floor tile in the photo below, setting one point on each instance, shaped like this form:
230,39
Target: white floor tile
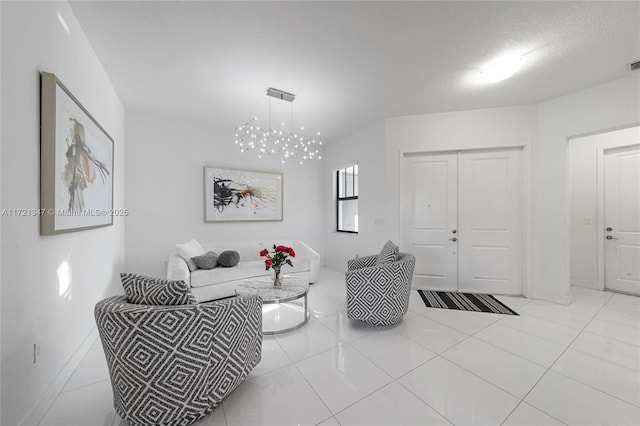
533,348
526,415
608,349
331,421
347,329
97,345
214,418
459,396
308,340
475,388
618,317
464,321
624,300
391,405
564,315
547,330
322,305
430,334
509,372
415,303
513,302
574,403
273,357
282,397
605,376
622,333
342,376
86,406
392,352
92,369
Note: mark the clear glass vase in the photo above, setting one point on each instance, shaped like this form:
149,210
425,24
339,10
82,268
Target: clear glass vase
276,277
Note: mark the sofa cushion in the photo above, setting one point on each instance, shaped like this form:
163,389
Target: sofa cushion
209,260
229,258
188,250
244,269
388,254
143,290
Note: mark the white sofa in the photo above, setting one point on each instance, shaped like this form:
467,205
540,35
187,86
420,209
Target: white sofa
221,281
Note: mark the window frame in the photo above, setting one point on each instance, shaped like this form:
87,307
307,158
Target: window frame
339,199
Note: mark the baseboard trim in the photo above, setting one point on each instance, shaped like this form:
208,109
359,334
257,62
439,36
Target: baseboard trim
40,408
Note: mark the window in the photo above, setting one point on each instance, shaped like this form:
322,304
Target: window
347,191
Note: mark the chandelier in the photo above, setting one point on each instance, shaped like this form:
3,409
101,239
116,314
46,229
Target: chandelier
289,146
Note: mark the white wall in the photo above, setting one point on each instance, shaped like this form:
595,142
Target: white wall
365,147
33,311
165,191
585,234
610,105
542,129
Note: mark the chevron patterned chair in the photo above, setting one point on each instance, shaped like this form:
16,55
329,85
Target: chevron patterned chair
379,294
172,365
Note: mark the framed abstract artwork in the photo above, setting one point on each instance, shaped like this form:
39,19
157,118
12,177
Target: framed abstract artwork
241,195
76,164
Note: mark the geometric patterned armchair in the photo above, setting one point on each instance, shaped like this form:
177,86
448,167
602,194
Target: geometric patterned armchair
172,365
379,295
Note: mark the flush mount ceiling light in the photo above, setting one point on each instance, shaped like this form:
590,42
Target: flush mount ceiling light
502,69
289,146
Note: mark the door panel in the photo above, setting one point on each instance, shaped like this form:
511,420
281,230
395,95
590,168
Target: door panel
622,216
490,222
429,215
462,219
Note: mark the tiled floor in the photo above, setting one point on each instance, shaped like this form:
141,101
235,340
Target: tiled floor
553,365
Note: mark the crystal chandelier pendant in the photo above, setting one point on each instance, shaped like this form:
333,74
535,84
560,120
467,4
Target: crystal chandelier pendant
289,146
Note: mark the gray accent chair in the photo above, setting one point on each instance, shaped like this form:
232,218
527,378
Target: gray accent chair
379,294
172,365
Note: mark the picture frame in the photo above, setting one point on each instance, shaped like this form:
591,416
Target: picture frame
76,163
241,195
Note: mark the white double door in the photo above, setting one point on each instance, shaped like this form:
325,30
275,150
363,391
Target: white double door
462,219
622,219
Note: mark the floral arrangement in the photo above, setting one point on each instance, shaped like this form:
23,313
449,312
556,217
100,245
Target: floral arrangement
278,257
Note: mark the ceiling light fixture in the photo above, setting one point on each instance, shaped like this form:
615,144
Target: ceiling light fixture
502,69
289,146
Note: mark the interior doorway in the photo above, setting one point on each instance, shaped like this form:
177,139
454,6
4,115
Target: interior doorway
604,181
462,219
622,219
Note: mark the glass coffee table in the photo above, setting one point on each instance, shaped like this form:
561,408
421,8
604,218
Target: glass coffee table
290,308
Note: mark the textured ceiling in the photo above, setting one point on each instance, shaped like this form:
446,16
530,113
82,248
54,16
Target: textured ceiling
351,63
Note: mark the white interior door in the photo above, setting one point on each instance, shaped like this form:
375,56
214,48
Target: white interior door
490,222
622,219
462,219
429,216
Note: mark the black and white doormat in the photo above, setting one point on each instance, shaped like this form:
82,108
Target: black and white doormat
464,302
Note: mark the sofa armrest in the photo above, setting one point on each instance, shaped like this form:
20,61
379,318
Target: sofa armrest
361,262
177,269
314,261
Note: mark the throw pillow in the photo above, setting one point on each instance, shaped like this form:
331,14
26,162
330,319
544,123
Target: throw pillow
142,290
229,258
188,250
388,254
209,260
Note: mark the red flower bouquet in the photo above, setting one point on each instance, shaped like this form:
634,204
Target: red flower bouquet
276,258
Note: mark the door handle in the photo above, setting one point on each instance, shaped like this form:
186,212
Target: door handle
609,237
454,239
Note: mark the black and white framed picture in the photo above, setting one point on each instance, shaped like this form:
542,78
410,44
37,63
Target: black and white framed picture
76,164
242,195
